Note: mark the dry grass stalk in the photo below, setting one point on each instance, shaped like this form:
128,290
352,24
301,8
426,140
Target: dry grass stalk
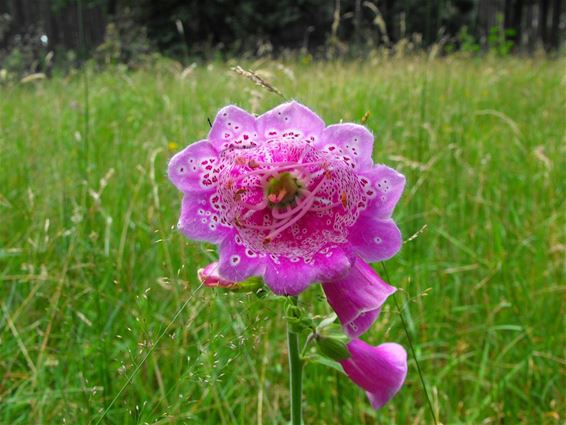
252,76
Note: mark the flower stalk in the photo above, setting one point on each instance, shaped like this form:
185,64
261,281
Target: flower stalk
295,372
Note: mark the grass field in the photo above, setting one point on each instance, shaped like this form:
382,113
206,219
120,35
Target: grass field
92,270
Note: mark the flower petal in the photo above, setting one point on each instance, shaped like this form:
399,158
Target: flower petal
210,276
237,262
195,167
290,120
374,239
287,276
383,186
349,140
357,297
380,370
233,127
199,219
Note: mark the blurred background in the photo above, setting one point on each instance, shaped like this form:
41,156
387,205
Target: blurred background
37,34
102,319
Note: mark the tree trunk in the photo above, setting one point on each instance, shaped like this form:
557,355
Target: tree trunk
543,21
358,21
508,14
555,32
517,21
388,13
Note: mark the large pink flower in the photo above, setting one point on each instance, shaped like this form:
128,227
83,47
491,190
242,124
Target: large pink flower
287,198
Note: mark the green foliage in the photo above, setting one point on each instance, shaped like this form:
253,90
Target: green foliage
468,43
499,39
92,269
125,42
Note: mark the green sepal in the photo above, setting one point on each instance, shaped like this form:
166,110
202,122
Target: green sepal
325,361
333,348
298,319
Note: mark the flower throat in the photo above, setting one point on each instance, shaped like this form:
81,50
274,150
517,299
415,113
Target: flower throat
282,190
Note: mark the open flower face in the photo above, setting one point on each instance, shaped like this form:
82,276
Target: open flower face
287,198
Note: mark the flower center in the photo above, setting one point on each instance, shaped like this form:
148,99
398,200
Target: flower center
282,190
287,198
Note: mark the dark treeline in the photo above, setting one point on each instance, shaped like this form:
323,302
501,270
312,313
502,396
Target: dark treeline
192,27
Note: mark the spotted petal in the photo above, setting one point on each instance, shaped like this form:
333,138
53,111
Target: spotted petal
351,142
200,220
374,239
291,121
383,187
233,127
195,167
287,276
237,262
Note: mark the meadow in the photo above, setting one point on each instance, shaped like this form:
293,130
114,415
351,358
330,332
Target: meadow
102,317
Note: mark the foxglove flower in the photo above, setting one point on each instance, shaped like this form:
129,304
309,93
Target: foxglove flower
357,297
380,370
289,200
295,202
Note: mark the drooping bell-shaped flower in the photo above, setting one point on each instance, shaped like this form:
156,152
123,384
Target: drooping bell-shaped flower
357,297
380,370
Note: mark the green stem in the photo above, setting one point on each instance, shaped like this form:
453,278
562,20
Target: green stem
296,375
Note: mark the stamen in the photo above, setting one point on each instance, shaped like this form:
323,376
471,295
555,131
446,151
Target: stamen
344,199
303,210
240,160
289,223
278,170
288,213
238,194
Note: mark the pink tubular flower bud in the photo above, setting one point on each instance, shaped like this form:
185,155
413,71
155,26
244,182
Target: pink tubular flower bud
380,370
210,277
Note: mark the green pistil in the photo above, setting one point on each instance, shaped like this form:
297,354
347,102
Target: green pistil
282,190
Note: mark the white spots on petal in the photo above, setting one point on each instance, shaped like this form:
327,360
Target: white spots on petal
250,253
235,260
384,185
353,326
377,240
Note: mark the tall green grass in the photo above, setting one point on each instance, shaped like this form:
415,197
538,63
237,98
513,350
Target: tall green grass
92,270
